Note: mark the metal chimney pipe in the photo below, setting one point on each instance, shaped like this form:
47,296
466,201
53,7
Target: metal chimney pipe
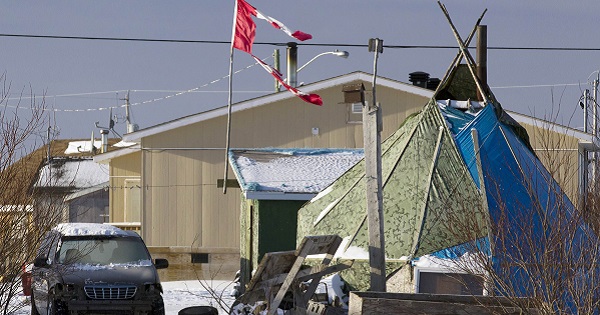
292,64
482,58
104,134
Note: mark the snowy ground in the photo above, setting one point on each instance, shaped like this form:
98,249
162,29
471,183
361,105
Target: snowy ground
179,295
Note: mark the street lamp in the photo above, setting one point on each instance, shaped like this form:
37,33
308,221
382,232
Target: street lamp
343,54
292,61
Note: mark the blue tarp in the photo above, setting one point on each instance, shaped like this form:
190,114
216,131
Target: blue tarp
533,220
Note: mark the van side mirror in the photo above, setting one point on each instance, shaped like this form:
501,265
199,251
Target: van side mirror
40,261
161,263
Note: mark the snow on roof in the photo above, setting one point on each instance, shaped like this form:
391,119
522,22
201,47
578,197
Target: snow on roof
290,171
84,229
82,146
123,144
72,172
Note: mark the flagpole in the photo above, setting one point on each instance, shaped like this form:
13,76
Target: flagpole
229,100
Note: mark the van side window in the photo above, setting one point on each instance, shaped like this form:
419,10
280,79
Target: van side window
45,245
48,247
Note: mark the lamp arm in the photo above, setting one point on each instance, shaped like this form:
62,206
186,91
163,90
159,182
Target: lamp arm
313,59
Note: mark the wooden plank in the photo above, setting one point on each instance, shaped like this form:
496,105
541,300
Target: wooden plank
273,264
308,274
287,282
310,291
432,304
311,245
279,270
316,244
321,271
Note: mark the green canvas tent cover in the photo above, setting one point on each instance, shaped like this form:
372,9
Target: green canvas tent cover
426,187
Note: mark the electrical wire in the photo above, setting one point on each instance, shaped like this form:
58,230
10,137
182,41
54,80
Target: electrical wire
299,44
177,93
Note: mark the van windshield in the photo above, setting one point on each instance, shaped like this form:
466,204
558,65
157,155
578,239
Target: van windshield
102,251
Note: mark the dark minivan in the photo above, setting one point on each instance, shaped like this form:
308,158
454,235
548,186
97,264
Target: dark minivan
89,268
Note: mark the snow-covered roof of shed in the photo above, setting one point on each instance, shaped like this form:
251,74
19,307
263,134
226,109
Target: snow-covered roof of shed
290,174
85,229
77,173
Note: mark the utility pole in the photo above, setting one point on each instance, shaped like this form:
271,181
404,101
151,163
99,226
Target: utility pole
127,117
277,67
584,156
595,128
49,151
372,126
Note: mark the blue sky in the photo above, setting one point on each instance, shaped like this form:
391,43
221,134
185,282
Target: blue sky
87,75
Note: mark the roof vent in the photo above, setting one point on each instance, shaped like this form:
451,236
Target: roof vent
419,78
433,83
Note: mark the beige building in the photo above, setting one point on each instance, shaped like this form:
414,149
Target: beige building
165,186
561,150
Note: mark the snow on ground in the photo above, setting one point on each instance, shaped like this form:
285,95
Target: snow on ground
178,295
182,294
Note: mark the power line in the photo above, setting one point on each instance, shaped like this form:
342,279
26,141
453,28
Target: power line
88,95
535,86
130,39
177,93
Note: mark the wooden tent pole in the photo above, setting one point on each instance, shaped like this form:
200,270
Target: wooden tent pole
458,57
465,53
434,162
482,190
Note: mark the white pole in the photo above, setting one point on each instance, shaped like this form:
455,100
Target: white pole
127,115
372,139
229,101
595,129
584,152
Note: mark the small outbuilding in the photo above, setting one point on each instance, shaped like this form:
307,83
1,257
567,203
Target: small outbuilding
275,183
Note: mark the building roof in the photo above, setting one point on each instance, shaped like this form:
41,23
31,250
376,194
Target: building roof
289,174
86,191
275,97
73,173
26,169
585,138
119,149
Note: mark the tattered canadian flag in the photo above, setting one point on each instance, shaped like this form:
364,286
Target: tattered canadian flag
243,38
310,98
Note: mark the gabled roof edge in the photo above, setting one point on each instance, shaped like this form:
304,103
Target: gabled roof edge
562,129
86,191
252,195
105,158
222,111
